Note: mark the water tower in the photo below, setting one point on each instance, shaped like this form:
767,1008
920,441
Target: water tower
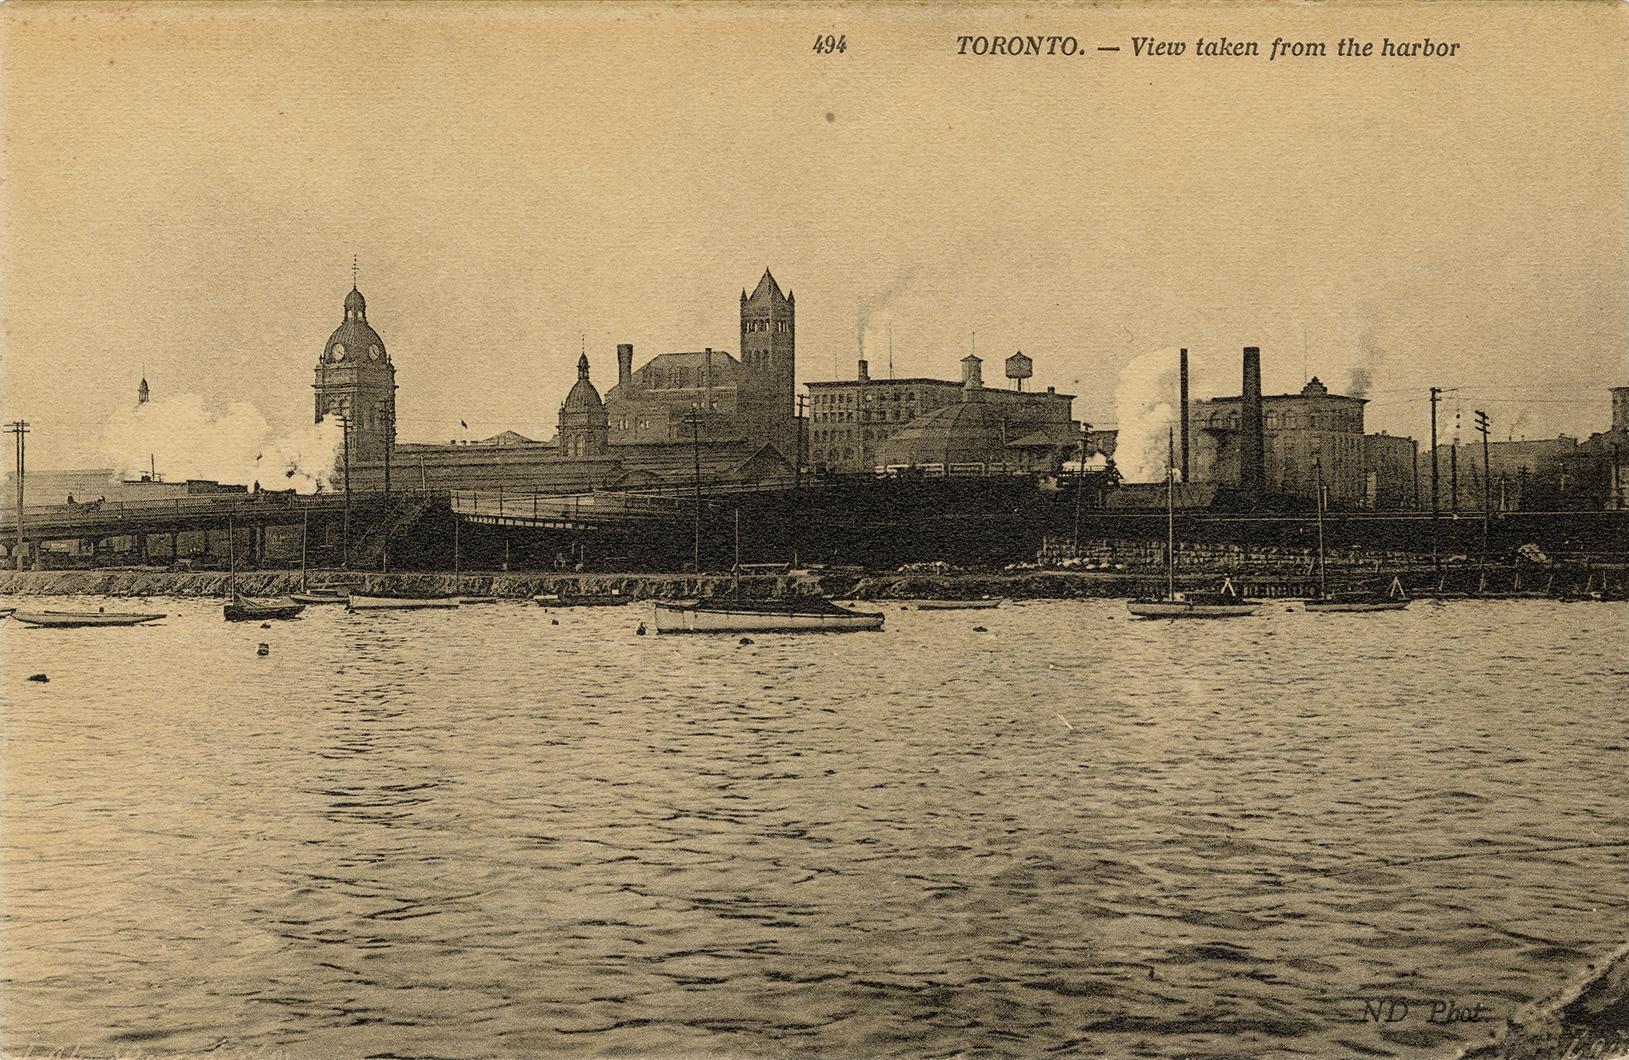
1020,368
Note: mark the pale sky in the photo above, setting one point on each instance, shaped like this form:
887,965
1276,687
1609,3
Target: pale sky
185,188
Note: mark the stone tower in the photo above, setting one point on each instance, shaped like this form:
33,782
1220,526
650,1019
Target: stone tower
584,424
766,391
356,380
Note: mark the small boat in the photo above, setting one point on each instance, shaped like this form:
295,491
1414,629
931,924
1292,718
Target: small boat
247,609
610,599
320,595
1395,599
5,612
68,619
378,601
958,605
1226,603
478,599
796,615
1194,605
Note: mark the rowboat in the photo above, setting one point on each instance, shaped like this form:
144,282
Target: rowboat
67,619
319,596
246,609
958,605
374,602
1355,602
478,599
610,599
811,615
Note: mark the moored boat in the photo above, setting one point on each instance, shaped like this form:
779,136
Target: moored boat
1194,605
1224,604
613,598
68,619
800,615
380,601
958,605
1357,601
320,595
478,600
248,609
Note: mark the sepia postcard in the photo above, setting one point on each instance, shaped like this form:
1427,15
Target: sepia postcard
897,530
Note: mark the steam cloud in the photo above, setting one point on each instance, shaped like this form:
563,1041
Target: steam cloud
186,440
1146,408
1367,367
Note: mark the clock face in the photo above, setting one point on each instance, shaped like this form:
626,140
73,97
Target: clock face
339,351
373,353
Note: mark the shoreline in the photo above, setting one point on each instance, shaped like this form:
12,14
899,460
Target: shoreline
876,585
1588,1018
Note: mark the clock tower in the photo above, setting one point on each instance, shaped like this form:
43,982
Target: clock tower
356,380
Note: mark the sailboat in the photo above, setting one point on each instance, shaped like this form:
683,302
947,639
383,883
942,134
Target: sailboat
240,608
1227,603
1362,600
322,594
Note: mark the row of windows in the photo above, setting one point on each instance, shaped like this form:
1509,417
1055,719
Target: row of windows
782,327
871,416
847,397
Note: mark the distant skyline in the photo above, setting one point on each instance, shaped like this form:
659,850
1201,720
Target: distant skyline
185,188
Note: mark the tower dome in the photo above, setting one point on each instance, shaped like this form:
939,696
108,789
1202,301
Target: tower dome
584,423
354,341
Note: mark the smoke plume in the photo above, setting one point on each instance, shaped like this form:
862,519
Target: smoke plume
1366,367
1146,409
185,440
873,317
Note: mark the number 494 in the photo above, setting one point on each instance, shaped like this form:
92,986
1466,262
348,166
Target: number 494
828,44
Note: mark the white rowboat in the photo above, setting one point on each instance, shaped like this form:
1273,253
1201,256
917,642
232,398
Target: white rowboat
69,619
366,602
762,616
1181,608
958,605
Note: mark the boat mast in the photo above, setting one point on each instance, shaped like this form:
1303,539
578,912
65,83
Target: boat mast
305,534
1170,515
231,558
1318,464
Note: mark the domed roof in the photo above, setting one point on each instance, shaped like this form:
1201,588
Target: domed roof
354,341
967,432
583,397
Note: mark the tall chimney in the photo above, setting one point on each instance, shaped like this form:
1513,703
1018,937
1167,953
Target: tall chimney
1252,450
865,370
625,365
1182,369
707,368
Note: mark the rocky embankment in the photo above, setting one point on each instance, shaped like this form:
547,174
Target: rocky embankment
520,585
1590,1019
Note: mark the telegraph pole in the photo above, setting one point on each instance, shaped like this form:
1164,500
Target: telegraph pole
345,550
1487,491
1436,392
19,428
692,419
1080,483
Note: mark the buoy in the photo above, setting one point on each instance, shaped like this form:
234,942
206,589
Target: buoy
41,678
980,629
265,625
554,621
746,640
264,649
640,632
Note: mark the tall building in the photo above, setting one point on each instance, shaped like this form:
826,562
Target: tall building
851,422
766,398
356,380
584,426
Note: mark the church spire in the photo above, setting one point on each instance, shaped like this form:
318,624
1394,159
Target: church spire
582,365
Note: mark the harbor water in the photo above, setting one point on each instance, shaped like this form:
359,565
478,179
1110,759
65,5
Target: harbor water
502,831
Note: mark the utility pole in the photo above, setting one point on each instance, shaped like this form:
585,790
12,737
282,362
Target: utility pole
797,484
1487,491
345,534
19,428
692,419
1436,392
1453,470
1080,483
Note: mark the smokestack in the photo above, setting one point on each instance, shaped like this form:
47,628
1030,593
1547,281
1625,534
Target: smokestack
707,368
625,365
1182,368
865,370
1252,451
